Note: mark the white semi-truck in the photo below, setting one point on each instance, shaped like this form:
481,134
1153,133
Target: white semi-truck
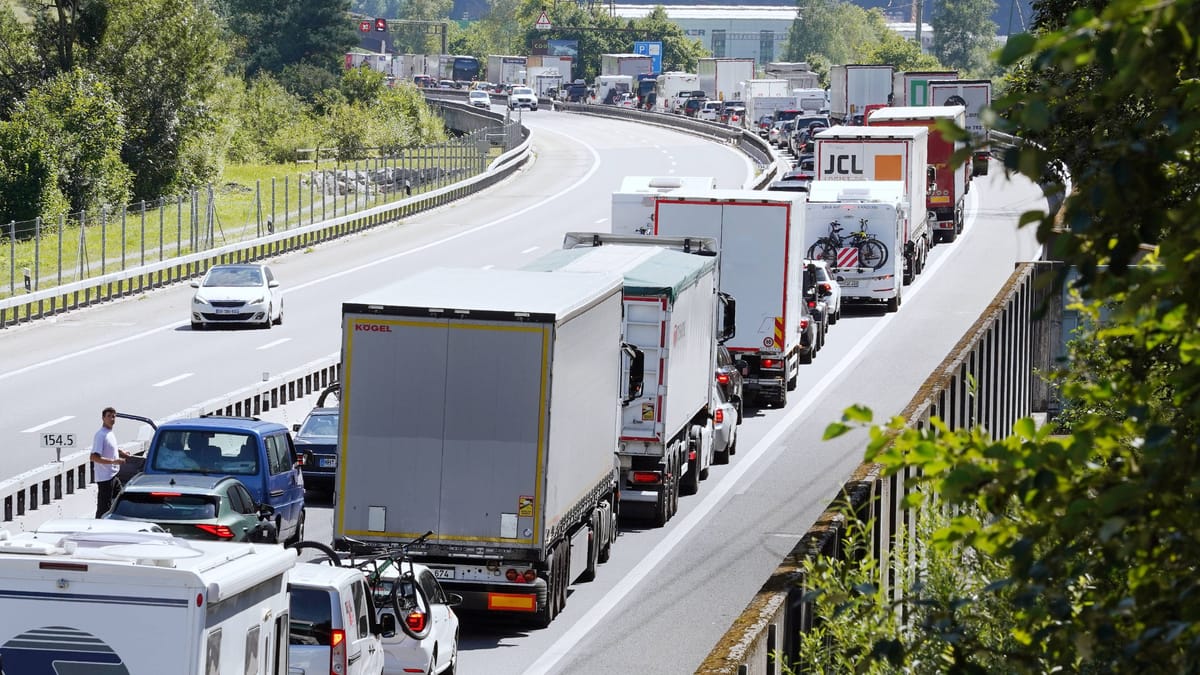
760,237
673,88
482,405
912,88
975,96
507,70
722,78
868,217
670,313
106,598
626,64
853,87
885,154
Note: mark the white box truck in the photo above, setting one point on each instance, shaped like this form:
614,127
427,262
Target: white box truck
507,70
482,405
974,95
115,601
673,88
633,204
669,313
912,88
856,228
722,78
799,74
760,237
884,153
626,64
947,186
854,87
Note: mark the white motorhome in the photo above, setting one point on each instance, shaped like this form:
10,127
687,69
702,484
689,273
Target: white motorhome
110,600
633,204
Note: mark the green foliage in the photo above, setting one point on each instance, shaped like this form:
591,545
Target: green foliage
28,174
308,82
833,31
362,85
267,112
273,34
964,35
20,66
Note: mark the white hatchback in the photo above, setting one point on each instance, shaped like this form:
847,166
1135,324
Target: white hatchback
830,289
333,627
479,98
245,294
437,652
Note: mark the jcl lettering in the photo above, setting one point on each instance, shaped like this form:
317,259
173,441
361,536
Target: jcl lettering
843,165
372,328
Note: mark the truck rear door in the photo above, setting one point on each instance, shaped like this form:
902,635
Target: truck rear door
645,318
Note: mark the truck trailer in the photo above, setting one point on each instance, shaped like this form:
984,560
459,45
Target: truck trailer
912,88
673,88
886,154
974,95
507,70
669,313
947,185
838,209
633,204
626,64
854,87
722,78
799,74
482,405
107,599
759,236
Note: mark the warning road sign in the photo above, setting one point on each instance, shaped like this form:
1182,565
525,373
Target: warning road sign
543,22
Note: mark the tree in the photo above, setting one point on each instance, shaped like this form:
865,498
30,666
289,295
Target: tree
273,34
964,34
20,66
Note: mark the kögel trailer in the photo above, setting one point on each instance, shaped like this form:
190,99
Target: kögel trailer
482,405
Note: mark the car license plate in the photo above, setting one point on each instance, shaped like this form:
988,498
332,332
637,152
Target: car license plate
442,572
327,462
228,310
849,284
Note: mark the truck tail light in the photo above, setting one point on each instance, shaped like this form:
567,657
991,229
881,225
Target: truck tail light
646,477
416,620
719,416
517,577
530,576
218,531
337,652
769,363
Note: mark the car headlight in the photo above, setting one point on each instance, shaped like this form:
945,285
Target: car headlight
259,300
197,300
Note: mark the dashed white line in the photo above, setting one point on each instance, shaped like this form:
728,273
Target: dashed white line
51,423
487,267
602,220
276,343
173,380
531,249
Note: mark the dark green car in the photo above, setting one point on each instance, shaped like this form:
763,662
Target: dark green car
194,506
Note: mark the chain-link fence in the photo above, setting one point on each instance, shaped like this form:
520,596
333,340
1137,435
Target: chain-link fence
44,254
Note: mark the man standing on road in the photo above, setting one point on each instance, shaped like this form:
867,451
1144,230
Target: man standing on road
107,459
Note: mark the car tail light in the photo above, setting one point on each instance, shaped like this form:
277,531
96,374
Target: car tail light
416,620
719,416
722,378
530,576
337,652
803,324
825,286
812,304
646,477
218,531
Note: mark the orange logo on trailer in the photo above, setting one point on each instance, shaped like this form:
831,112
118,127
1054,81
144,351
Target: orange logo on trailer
889,167
779,330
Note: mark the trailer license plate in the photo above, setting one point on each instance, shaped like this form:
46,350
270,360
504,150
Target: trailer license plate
328,462
442,572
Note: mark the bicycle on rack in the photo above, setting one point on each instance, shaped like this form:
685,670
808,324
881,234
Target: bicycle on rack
395,588
871,251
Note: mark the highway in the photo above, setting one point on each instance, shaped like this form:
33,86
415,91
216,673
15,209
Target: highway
667,594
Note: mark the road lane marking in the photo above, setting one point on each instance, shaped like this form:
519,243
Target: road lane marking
531,249
51,423
276,343
173,380
487,267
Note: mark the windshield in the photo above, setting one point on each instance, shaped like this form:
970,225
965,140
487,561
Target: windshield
162,506
234,276
522,90
206,452
320,425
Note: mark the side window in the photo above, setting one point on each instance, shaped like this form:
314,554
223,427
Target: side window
277,454
212,653
252,649
433,590
360,609
243,495
234,498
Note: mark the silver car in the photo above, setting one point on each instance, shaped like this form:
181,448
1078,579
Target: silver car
246,294
725,426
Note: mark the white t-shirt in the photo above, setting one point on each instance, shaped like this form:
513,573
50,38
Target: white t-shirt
104,443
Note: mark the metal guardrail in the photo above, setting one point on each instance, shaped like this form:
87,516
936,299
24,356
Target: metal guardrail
990,379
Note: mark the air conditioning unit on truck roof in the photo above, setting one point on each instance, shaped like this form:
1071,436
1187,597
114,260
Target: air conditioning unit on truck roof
482,405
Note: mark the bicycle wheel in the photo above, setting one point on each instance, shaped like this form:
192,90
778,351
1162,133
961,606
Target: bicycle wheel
872,253
823,250
406,607
330,556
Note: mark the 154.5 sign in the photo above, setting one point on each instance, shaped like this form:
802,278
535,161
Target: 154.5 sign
52,439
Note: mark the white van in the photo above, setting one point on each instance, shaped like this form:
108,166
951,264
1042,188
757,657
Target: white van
333,623
118,601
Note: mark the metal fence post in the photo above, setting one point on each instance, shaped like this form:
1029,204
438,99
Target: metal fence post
257,208
37,253
12,257
62,225
104,240
271,218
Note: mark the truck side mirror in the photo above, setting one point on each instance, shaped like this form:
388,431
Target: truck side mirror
728,317
637,360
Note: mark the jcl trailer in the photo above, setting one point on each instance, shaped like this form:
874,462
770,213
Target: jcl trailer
482,405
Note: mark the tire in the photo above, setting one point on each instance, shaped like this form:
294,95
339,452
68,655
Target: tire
298,536
781,400
589,572
949,236
893,304
721,456
279,319
738,405
872,253
910,270
823,250
662,511
805,358
197,326
546,614
690,484
267,321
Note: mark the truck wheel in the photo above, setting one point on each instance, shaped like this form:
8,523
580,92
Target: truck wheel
721,456
893,303
781,400
546,612
589,572
299,534
662,511
690,484
949,236
806,357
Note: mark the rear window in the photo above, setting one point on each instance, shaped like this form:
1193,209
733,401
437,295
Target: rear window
312,618
223,453
164,506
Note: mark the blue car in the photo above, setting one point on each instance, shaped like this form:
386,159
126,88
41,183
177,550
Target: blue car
259,454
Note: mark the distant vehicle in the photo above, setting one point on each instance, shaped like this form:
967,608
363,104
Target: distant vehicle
828,286
692,106
711,111
194,506
726,419
246,294
627,100
775,133
424,81
479,98
733,113
817,307
729,377
317,443
447,84
438,651
522,97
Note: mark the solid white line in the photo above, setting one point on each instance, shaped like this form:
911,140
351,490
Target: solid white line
487,267
602,220
276,343
531,249
588,622
51,423
382,261
173,380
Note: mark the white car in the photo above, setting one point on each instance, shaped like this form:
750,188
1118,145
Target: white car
332,630
237,294
479,98
828,286
711,111
522,97
438,651
725,426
